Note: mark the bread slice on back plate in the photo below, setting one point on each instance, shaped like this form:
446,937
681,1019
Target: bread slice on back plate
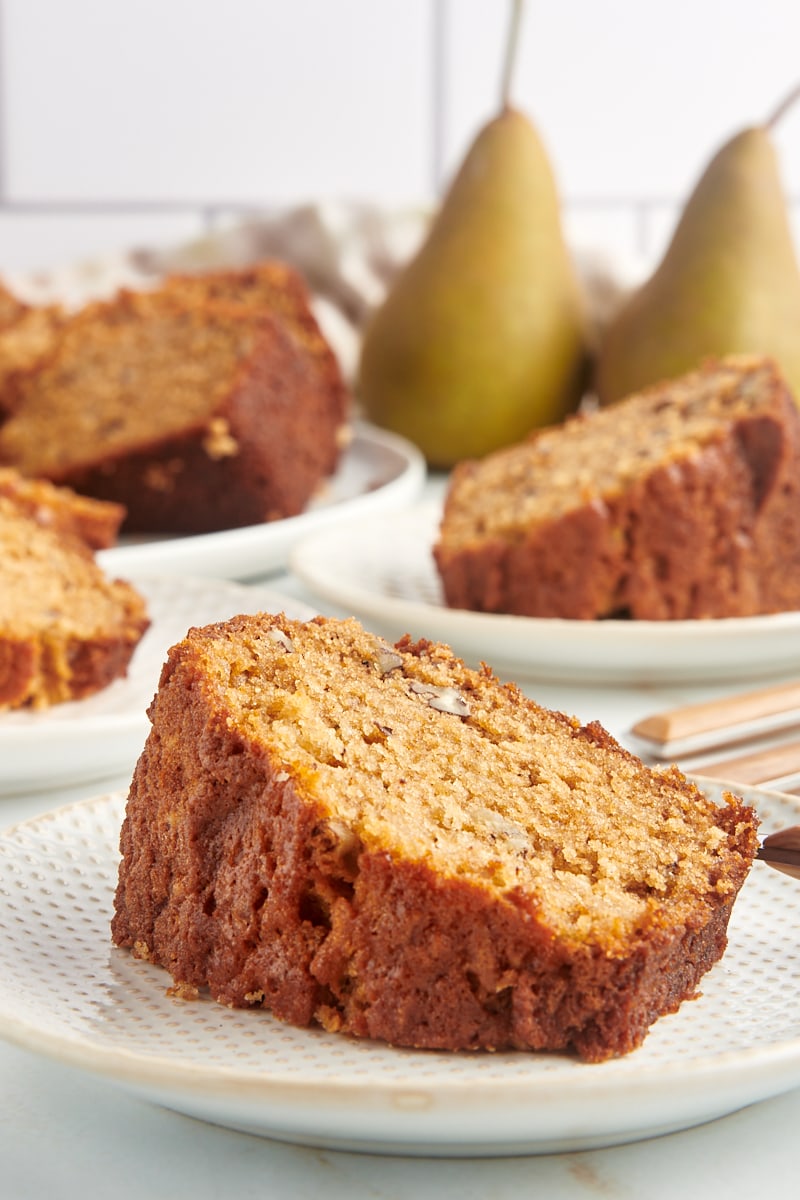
273,287
681,502
194,414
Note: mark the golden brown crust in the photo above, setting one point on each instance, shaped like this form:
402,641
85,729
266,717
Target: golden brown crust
708,526
26,343
268,286
95,522
195,410
11,307
66,631
396,847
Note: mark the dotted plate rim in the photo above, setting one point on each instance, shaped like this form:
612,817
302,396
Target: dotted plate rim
248,1071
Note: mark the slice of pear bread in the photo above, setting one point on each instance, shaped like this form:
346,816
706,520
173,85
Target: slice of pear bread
682,501
384,841
12,307
25,344
196,414
95,522
66,630
277,288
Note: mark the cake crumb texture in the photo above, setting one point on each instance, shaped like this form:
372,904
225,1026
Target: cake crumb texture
385,842
66,630
207,403
681,502
95,522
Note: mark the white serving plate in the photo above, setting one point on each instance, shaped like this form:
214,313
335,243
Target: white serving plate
68,994
378,473
103,735
383,571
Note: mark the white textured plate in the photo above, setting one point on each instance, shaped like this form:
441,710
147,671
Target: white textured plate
379,472
383,571
103,734
67,993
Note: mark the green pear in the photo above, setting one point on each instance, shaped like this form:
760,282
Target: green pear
728,283
483,335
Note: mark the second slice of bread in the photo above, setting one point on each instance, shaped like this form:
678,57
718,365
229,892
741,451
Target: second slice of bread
681,502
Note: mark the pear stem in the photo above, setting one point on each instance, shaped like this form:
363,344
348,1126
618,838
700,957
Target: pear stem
784,105
512,44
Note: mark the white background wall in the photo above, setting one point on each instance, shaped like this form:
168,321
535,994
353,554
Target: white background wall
128,122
